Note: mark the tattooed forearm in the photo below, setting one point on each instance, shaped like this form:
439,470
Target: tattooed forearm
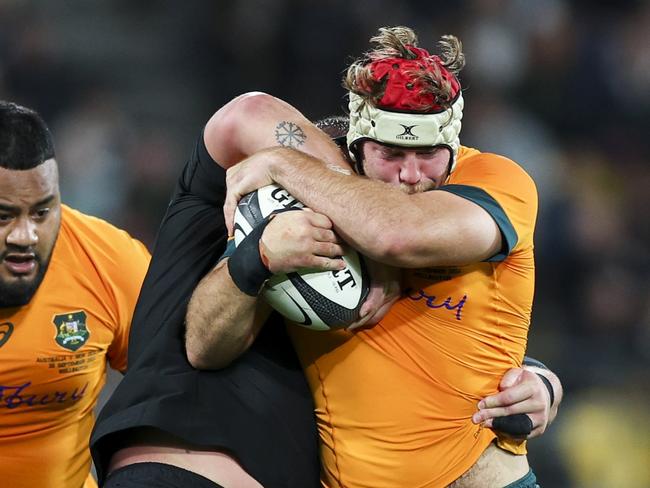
288,134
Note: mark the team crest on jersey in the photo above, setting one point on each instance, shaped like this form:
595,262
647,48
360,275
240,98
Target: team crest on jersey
71,329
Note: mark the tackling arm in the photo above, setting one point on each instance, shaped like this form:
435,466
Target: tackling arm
256,121
224,314
434,228
425,229
221,320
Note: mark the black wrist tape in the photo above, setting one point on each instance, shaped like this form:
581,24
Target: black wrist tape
528,361
245,264
548,386
516,425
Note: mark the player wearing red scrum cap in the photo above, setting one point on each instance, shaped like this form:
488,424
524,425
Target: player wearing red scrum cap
395,402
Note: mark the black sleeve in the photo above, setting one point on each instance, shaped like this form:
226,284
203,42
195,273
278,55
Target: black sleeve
202,178
259,408
191,238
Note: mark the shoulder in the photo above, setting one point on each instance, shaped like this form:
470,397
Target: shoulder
500,185
483,166
99,238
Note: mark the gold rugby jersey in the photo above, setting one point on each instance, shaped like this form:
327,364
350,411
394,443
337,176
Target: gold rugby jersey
394,403
54,352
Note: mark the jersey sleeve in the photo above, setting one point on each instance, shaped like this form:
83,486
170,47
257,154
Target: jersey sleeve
503,189
202,179
191,238
132,261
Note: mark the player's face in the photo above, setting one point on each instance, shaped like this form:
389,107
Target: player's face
30,216
413,170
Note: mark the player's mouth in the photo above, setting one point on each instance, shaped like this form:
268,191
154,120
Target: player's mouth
20,263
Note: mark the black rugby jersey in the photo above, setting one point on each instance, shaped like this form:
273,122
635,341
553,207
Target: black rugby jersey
259,408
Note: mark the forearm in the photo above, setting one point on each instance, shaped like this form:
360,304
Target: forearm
384,223
343,198
432,228
221,321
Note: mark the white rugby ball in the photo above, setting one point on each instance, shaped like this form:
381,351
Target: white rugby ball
319,300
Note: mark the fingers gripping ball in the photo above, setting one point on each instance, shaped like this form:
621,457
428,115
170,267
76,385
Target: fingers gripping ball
253,208
319,300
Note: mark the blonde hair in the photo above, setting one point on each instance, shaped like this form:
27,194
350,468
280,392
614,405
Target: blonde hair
394,42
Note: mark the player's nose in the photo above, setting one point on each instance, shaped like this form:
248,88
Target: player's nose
23,233
410,172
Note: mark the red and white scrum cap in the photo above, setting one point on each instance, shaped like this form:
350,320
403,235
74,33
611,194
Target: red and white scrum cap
408,114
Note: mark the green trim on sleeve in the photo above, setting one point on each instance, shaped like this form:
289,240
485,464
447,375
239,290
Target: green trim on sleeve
491,206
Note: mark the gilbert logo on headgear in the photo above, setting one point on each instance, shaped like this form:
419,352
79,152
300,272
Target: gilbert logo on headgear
407,135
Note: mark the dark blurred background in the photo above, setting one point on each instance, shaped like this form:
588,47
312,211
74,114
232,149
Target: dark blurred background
562,87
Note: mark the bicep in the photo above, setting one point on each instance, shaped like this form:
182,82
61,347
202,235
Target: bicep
451,230
472,233
256,121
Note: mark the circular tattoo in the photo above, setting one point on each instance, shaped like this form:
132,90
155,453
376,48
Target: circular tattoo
289,134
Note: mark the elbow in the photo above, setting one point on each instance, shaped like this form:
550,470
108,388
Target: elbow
430,245
404,251
228,118
199,360
237,114
231,122
195,356
249,105
196,360
394,248
201,357
391,250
